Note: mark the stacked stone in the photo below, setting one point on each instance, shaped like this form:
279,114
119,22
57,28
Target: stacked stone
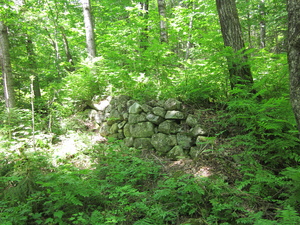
160,125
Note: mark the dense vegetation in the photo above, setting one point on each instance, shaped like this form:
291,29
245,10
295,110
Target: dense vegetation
254,164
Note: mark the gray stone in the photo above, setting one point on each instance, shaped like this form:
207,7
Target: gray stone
130,103
128,141
121,124
142,130
137,118
176,153
135,108
197,130
191,120
114,129
168,127
174,115
159,111
104,129
154,118
126,130
146,108
142,143
101,106
120,134
114,116
184,140
162,142
172,104
125,116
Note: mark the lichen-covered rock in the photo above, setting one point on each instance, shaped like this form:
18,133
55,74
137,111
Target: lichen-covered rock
142,130
137,118
184,140
126,130
159,111
128,141
197,130
142,143
191,120
172,104
176,153
163,142
114,116
121,124
146,108
114,129
154,118
168,127
174,115
104,129
135,108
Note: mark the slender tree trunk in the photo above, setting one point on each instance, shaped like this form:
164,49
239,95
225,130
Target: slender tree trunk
7,75
70,60
144,34
188,44
163,21
89,28
294,55
33,68
239,69
262,24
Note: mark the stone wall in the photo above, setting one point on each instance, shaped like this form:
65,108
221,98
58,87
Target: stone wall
161,125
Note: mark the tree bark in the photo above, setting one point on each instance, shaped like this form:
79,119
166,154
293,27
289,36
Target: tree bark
239,69
294,56
8,83
144,34
262,24
89,28
163,22
32,68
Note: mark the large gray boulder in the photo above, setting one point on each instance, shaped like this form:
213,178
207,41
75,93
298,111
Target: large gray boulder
174,115
159,111
114,116
191,120
197,130
184,140
135,108
163,142
142,143
154,118
172,104
104,129
126,130
137,118
142,130
168,127
176,153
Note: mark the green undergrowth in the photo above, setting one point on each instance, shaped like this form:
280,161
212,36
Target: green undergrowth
127,186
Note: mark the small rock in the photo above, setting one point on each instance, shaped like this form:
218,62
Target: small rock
174,115
159,111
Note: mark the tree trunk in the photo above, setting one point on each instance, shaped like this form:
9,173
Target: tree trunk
163,22
144,34
70,67
262,24
33,68
239,69
89,28
294,56
7,75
